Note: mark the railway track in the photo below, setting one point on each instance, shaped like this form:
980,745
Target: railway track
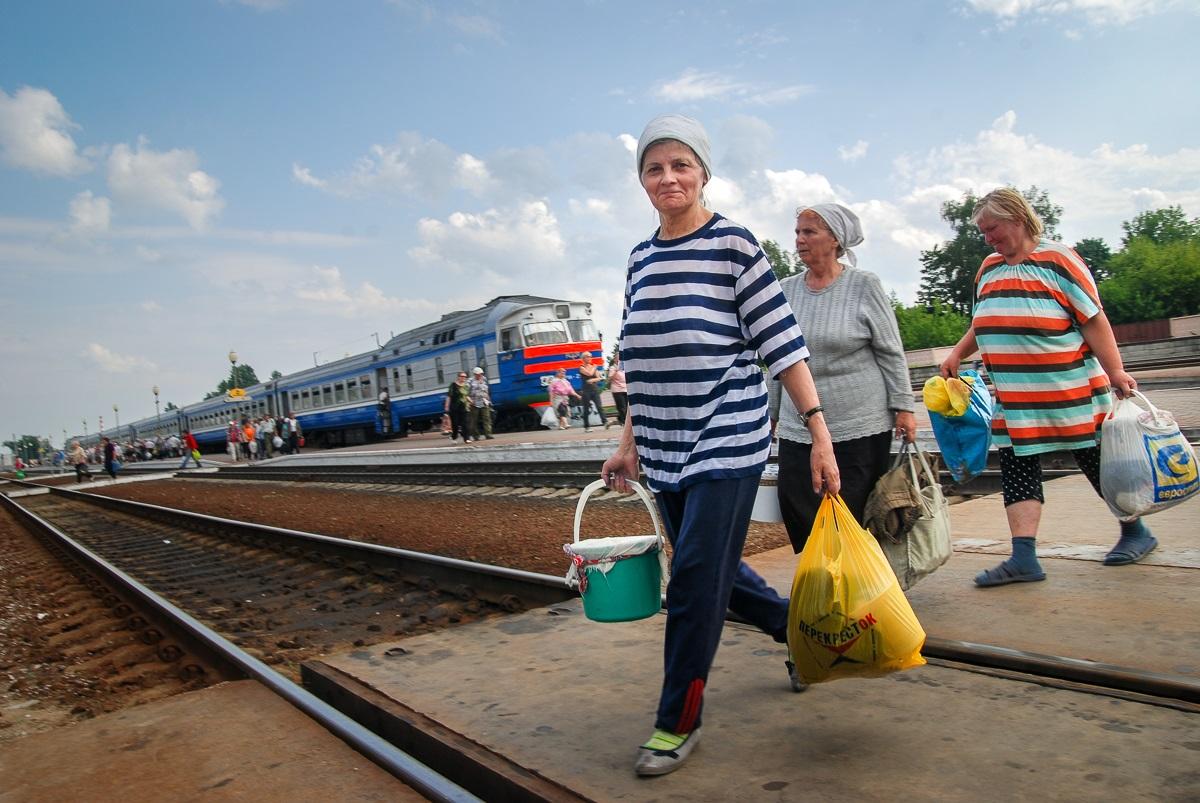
279,596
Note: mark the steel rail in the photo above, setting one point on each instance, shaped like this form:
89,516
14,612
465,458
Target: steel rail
400,764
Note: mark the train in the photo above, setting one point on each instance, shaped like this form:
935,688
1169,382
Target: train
519,341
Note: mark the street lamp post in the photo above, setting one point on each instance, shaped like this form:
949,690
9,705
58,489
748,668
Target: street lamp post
233,383
117,413
157,420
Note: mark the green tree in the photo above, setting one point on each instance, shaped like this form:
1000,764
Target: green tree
277,375
242,376
1161,226
923,327
1149,281
1096,254
29,447
948,270
783,263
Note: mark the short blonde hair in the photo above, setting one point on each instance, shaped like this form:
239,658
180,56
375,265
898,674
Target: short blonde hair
1008,204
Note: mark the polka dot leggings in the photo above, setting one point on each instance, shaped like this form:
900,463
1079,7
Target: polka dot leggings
1021,476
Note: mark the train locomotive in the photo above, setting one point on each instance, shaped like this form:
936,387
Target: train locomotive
519,341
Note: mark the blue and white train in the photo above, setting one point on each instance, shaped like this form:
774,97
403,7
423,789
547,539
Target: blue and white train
519,341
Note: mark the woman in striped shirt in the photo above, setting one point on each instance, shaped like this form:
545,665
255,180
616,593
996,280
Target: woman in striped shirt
1052,357
702,307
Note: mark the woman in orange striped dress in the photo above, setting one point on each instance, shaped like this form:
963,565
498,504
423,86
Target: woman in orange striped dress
1051,354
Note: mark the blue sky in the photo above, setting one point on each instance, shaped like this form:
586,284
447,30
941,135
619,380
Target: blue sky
284,177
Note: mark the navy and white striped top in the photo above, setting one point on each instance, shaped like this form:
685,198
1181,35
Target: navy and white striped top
699,313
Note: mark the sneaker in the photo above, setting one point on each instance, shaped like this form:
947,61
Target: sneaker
798,685
665,752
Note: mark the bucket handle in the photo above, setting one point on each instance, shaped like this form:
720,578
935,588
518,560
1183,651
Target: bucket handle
641,492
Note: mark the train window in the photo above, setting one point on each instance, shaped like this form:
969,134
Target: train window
582,329
408,376
364,384
295,401
562,310
339,392
352,390
395,380
327,395
509,339
304,400
545,334
441,373
464,364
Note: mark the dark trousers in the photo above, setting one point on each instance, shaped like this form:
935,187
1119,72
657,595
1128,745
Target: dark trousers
591,396
706,524
621,399
458,423
861,462
80,470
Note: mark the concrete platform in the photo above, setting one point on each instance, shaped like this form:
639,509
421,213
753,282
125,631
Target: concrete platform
569,700
233,741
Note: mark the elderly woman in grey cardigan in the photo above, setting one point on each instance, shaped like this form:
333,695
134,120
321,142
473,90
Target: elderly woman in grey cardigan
857,362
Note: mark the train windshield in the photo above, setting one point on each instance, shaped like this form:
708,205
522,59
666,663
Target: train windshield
583,329
545,334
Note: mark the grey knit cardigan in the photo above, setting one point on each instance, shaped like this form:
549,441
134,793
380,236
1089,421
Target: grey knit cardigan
857,359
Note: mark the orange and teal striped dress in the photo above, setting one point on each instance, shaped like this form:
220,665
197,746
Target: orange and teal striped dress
1051,393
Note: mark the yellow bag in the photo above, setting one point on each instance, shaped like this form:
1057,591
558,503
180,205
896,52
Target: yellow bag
949,397
848,616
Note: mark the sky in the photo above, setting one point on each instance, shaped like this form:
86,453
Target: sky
292,179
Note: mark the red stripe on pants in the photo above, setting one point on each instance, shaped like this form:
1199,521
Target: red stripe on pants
691,706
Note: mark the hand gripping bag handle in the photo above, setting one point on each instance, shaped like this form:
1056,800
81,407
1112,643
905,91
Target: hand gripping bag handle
1154,411
646,500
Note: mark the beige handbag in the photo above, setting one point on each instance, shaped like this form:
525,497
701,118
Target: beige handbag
909,515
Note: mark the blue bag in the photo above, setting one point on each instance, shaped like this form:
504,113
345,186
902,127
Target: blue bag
965,439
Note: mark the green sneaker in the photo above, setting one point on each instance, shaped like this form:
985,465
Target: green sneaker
665,752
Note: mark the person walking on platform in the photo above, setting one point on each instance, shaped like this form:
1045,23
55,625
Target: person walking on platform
480,396
111,457
78,458
561,392
1053,359
702,308
457,401
590,378
233,439
191,449
617,387
857,364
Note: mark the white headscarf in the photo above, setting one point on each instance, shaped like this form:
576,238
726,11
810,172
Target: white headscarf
681,129
846,228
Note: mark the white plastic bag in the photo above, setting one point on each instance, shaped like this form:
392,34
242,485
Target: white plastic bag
1146,465
549,418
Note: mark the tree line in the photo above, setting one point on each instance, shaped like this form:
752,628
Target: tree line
1155,273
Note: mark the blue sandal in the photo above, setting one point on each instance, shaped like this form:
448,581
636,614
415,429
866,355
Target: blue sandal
1004,574
1131,549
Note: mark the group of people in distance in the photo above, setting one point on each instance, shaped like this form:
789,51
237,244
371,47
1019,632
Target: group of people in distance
260,438
703,309
468,408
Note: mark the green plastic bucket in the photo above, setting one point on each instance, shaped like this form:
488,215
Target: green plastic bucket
619,578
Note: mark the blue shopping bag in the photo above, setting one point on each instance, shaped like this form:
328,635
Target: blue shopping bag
964,440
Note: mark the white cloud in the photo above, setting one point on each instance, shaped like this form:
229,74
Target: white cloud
150,306
1096,12
327,292
165,180
90,215
259,5
147,254
34,134
693,86
476,26
114,363
305,176
505,247
855,152
1097,189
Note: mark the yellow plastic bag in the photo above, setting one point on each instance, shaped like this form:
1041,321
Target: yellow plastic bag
848,616
949,397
